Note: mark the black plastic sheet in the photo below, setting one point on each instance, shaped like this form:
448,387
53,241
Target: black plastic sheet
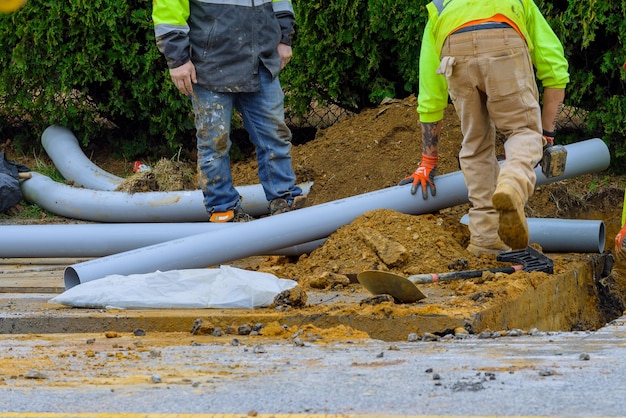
10,192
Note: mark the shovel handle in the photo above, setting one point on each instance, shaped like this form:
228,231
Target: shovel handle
466,274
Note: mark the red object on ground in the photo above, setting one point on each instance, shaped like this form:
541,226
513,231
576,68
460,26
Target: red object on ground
139,166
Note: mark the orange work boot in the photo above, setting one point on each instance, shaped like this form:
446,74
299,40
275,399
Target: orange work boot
233,215
513,228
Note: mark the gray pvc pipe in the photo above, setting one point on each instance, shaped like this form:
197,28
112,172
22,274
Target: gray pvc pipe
97,240
63,149
110,206
564,235
305,225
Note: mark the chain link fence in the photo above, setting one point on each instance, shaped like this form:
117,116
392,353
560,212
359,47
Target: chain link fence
569,119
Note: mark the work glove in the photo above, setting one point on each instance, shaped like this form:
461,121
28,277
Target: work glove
620,244
424,175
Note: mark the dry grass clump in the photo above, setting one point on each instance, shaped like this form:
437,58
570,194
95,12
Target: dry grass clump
165,176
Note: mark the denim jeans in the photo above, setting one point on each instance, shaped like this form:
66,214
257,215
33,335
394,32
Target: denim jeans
264,119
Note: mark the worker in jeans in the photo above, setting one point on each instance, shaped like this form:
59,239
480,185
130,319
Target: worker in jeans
227,55
482,54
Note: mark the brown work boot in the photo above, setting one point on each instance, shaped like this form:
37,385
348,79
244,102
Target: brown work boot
513,228
495,249
278,206
298,202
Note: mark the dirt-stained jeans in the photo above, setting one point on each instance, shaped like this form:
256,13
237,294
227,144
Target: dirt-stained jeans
492,84
263,117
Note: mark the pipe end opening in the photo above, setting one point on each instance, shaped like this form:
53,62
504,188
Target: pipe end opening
70,278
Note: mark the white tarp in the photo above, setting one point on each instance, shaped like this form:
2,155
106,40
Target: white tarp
226,287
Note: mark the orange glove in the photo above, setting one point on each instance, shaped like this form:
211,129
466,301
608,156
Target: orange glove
620,244
424,175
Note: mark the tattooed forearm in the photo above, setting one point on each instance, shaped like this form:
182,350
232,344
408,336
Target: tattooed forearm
559,109
430,137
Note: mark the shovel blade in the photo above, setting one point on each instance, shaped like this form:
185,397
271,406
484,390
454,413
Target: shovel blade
385,283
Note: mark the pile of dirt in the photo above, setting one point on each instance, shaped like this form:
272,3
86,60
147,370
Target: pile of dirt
377,148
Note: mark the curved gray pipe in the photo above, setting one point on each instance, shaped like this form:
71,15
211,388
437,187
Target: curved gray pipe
313,223
111,206
97,240
565,235
63,149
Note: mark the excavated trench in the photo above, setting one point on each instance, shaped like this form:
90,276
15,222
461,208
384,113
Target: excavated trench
585,292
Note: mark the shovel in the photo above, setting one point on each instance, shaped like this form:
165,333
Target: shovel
404,289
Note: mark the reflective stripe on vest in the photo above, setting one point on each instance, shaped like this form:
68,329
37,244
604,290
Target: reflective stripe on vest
441,4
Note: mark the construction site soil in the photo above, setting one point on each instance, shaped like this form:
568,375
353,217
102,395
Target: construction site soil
373,150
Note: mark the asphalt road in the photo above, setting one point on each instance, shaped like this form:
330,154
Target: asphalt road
547,374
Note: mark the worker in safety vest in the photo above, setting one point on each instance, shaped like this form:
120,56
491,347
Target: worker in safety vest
227,55
482,54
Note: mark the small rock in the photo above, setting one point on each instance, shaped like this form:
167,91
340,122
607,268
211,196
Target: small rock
459,264
377,299
584,356
244,329
34,374
328,280
460,331
390,252
156,378
430,337
413,337
295,297
139,332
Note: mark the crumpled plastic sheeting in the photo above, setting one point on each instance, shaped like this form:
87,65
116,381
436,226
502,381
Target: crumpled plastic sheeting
226,287
10,192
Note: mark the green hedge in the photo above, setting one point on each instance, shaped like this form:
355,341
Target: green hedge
93,67
77,63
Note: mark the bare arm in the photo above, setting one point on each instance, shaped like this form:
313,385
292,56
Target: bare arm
552,105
